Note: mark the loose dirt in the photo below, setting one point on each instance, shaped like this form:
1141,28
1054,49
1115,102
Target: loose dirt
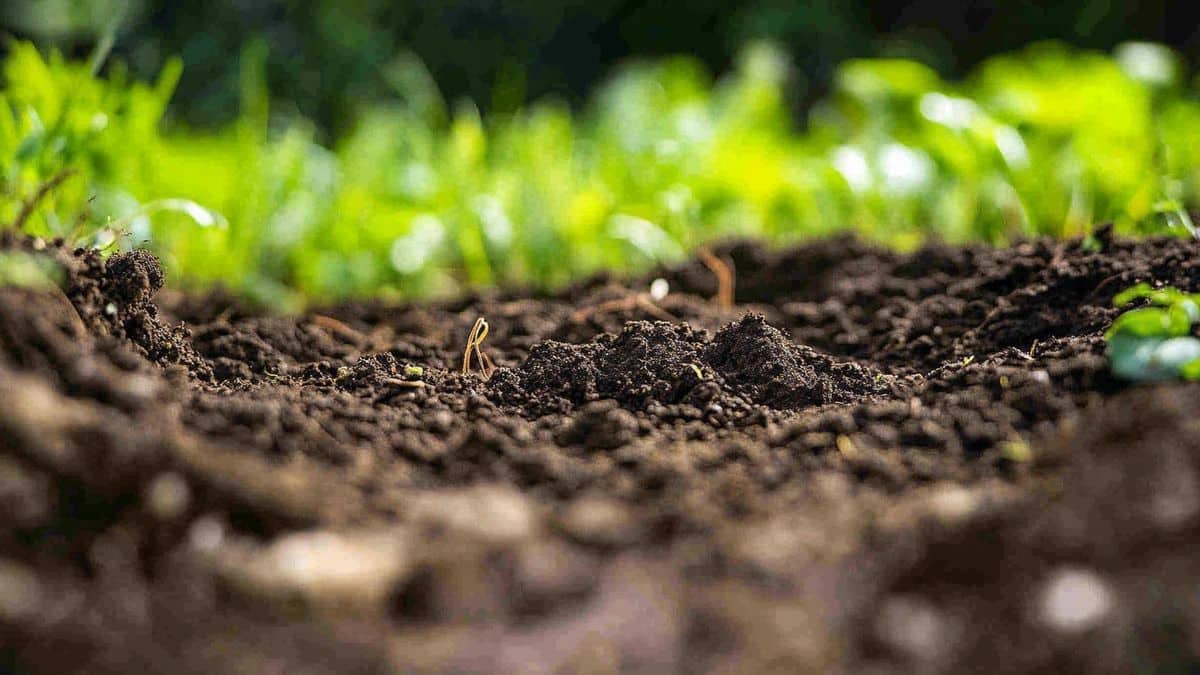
874,462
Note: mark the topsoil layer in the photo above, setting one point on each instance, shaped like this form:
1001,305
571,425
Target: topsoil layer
874,462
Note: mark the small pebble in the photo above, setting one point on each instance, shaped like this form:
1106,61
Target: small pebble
1075,599
20,591
659,288
206,535
168,496
911,626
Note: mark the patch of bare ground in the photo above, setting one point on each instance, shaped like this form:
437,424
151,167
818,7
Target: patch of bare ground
870,462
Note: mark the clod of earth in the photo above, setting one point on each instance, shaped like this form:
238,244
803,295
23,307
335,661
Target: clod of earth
749,364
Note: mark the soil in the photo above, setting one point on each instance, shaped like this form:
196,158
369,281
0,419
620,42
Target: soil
873,463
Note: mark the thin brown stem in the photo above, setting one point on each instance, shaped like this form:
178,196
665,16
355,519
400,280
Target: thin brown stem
724,273
31,204
626,304
620,304
407,384
334,326
647,305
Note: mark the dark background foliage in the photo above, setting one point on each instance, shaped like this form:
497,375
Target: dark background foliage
327,56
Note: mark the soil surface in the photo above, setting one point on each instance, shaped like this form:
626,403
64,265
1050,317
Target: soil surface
872,463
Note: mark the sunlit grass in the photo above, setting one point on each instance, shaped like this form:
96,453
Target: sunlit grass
424,197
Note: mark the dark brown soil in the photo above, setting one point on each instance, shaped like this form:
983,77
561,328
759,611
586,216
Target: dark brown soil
874,463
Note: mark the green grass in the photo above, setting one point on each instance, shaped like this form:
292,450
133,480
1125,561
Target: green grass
425,197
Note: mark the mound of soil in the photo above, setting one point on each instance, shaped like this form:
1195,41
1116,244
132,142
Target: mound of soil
656,367
875,462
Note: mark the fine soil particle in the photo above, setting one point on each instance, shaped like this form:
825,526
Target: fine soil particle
875,462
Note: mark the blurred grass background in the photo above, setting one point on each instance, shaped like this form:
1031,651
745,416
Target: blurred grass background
324,150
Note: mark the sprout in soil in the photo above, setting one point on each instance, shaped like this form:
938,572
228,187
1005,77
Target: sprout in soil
410,371
474,346
1155,343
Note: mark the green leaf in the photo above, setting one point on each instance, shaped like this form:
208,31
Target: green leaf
1128,295
1162,297
1153,359
1190,370
1150,322
30,147
1189,307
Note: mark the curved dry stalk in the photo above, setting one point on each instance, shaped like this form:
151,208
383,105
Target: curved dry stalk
725,277
627,304
474,346
334,326
479,331
404,384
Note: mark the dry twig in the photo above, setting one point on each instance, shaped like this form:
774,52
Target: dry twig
627,304
334,326
405,384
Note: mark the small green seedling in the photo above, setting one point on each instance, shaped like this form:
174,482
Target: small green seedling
1155,343
414,371
1176,216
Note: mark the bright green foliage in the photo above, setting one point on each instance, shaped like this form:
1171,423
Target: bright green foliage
1155,342
24,270
424,197
57,117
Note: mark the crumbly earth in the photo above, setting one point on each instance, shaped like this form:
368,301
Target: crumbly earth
875,462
